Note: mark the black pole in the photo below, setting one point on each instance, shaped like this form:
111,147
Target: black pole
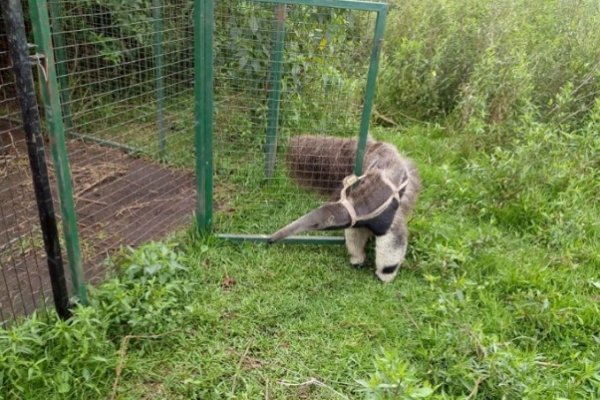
19,53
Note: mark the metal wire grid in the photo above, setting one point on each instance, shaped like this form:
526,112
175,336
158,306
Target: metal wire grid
24,286
323,58
126,77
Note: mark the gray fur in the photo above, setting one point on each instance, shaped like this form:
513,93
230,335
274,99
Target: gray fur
321,164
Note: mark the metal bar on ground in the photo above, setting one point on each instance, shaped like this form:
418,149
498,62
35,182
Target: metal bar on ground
108,143
274,92
18,47
203,91
159,56
50,94
370,89
289,239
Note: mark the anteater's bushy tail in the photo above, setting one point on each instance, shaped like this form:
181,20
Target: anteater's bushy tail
321,163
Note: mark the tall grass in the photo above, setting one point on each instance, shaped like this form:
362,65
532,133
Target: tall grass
486,62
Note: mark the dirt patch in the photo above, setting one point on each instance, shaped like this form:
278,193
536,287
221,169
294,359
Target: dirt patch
24,285
120,200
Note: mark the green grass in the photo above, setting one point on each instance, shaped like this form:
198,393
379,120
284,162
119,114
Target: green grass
498,298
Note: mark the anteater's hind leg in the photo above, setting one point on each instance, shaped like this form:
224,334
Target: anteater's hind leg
356,239
390,250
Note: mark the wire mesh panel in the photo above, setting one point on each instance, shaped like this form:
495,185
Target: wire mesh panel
280,71
24,283
125,71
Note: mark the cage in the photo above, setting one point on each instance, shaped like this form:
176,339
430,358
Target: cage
24,286
159,108
282,69
118,80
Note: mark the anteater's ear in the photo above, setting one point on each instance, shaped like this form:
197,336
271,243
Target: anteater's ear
328,216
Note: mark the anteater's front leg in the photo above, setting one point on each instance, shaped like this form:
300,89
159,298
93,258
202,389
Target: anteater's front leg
356,239
390,250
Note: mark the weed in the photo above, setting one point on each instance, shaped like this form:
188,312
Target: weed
485,62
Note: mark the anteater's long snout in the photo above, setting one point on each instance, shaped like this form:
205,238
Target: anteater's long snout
328,216
305,223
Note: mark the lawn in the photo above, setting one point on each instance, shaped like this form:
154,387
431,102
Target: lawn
498,104
488,304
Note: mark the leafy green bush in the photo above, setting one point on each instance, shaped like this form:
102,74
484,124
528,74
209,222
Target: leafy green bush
109,44
52,358
395,379
46,359
147,294
325,54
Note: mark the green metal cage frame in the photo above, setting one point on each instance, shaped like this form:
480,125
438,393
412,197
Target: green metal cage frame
51,97
203,36
48,39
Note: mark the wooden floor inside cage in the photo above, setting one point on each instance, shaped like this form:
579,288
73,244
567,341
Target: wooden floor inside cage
119,199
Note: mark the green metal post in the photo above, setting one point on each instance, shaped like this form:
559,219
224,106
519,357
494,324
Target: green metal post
274,94
159,57
370,90
203,71
50,94
61,60
288,240
109,143
14,23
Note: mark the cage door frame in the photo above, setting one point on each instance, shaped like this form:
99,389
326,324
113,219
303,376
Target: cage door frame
204,18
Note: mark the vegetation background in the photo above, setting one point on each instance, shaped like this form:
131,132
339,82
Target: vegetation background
498,102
